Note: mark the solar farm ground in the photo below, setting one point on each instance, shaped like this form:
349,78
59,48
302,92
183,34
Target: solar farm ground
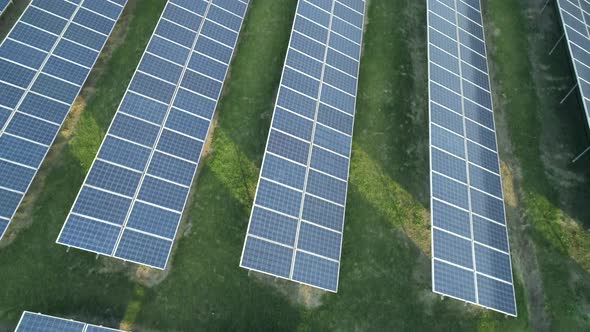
385,274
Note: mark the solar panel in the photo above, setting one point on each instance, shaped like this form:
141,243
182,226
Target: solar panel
575,17
132,199
34,322
44,62
4,5
471,255
296,224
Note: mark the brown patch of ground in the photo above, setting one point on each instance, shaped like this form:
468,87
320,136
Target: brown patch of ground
298,294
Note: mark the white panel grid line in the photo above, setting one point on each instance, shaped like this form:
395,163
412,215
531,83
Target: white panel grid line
48,55
317,102
84,184
467,162
154,149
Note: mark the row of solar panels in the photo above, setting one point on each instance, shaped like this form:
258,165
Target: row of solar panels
296,225
575,18
44,62
471,254
134,194
35,322
133,197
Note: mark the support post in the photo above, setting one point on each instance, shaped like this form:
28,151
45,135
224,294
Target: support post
557,43
544,6
581,155
569,93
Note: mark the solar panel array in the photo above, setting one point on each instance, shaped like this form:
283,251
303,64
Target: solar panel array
3,5
471,254
295,229
133,197
575,17
44,62
34,322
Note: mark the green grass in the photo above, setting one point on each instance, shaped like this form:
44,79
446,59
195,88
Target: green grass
385,272
538,127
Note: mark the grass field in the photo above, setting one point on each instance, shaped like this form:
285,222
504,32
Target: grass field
385,271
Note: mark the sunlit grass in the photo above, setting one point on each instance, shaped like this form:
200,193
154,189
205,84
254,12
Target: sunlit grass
385,269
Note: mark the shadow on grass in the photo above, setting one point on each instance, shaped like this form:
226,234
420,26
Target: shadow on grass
560,132
252,84
207,290
43,277
544,137
392,103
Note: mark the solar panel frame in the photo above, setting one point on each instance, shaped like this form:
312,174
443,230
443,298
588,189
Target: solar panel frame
155,149
451,279
577,63
30,321
4,5
319,103
29,90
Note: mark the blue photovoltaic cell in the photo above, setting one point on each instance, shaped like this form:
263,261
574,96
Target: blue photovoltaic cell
319,241
101,240
90,200
134,130
15,177
124,153
32,36
162,193
143,249
267,257
330,163
316,271
284,171
301,193
44,108
452,248
152,219
273,226
575,18
453,281
42,86
173,169
34,322
31,322
495,294
8,202
469,236
29,56
323,213
146,164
